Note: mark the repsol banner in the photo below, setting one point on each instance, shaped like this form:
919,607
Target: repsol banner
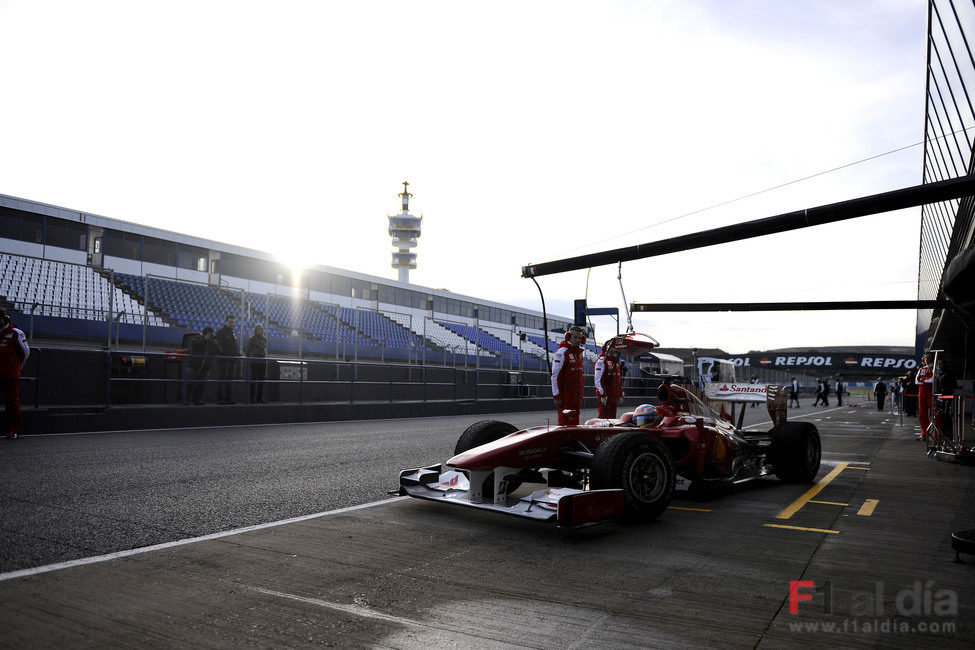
832,361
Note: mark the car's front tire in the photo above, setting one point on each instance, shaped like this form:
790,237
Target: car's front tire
641,466
481,433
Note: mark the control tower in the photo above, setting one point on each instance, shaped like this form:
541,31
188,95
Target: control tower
404,228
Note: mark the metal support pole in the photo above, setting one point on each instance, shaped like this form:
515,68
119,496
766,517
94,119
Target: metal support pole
145,310
108,378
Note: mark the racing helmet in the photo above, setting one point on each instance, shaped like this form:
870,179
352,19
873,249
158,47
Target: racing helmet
645,415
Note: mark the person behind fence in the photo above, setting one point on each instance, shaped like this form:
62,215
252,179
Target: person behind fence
923,381
908,396
13,356
567,376
609,387
794,392
896,390
202,350
227,342
944,384
820,384
880,392
257,349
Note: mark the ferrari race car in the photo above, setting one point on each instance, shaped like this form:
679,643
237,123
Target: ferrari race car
627,467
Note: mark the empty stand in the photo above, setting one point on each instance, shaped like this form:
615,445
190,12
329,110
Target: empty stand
65,290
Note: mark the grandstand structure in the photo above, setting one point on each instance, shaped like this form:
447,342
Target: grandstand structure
71,275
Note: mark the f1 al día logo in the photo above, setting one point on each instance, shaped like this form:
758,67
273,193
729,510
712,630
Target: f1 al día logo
919,599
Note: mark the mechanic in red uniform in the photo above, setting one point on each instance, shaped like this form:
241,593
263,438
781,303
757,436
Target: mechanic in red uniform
923,380
567,376
609,384
13,354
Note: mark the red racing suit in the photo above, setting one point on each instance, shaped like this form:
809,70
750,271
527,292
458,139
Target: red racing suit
567,381
13,355
609,385
924,380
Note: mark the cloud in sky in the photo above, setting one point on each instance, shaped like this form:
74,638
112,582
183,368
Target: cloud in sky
527,130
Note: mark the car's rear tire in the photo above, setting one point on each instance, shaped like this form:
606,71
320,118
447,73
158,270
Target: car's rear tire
481,433
641,466
795,452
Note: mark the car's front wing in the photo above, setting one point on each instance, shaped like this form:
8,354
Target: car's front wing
567,507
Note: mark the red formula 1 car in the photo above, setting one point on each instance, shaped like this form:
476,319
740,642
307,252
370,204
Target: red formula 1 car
607,468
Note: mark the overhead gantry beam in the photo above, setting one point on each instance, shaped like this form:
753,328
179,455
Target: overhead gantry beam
789,306
909,197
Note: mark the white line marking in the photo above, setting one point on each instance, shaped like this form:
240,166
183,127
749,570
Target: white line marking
356,610
806,415
368,612
23,573
250,426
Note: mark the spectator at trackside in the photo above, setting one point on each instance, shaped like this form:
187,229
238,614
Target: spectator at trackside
13,356
794,392
609,387
567,376
257,349
880,392
202,350
839,391
228,347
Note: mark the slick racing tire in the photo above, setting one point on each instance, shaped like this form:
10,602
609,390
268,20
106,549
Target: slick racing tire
641,466
795,452
481,433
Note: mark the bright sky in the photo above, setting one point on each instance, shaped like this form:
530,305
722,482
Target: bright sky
529,131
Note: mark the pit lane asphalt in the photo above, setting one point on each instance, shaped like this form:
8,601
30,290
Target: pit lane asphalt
411,574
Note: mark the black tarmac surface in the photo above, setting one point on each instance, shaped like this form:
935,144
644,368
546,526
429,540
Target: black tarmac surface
870,545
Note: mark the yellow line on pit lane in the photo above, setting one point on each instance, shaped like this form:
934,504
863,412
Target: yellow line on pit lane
813,491
691,509
867,508
810,530
828,503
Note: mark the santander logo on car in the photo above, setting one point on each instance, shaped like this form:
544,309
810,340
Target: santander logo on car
747,388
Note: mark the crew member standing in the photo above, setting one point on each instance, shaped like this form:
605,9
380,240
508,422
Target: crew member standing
794,393
609,385
923,381
13,355
880,391
567,376
839,391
